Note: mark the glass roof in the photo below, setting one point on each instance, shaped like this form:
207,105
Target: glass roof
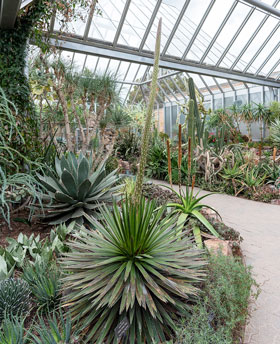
226,44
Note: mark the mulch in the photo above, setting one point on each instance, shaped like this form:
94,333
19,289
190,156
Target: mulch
20,224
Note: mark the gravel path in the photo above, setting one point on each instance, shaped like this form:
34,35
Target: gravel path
259,225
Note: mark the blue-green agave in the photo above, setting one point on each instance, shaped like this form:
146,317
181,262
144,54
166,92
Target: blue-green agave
76,190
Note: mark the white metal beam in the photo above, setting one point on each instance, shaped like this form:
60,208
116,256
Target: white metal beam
263,6
8,13
130,55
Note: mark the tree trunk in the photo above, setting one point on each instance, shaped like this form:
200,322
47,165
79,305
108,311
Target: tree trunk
68,133
84,144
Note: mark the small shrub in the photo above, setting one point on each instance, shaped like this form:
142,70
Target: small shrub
147,280
12,332
222,311
14,298
44,282
56,330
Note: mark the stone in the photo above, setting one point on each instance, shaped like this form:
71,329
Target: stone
211,214
214,246
275,201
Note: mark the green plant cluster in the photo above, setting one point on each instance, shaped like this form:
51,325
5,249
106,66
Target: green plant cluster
75,190
220,315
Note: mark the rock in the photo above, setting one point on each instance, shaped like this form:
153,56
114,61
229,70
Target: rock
214,246
275,201
211,214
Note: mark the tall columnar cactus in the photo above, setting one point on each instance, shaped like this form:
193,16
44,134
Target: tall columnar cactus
147,128
195,106
199,124
191,128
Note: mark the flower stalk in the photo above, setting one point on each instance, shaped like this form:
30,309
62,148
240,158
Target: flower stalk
147,128
169,161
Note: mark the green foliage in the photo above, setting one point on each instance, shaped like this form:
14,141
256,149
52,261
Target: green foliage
14,298
252,179
6,269
110,277
44,282
15,189
275,132
56,329
189,206
222,311
12,332
127,145
76,191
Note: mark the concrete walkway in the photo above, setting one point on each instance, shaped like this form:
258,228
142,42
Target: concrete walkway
259,225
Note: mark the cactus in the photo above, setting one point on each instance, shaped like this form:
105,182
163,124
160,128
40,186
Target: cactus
196,126
14,298
147,128
192,96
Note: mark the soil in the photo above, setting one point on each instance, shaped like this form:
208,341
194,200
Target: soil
20,224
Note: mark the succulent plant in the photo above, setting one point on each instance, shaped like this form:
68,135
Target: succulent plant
76,190
14,297
56,329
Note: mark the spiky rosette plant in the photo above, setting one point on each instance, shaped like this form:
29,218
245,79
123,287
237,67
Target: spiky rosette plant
76,190
14,298
131,267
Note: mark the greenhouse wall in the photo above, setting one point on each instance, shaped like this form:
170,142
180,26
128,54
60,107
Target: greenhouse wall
169,117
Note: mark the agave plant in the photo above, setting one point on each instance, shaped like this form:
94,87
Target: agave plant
189,206
13,332
275,132
56,330
132,269
14,298
44,282
76,191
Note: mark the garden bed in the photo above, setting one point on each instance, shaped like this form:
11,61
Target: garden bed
219,314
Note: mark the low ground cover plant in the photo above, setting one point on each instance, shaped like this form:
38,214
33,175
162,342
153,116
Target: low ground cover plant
221,313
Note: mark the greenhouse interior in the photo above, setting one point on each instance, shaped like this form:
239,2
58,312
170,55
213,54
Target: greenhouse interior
139,171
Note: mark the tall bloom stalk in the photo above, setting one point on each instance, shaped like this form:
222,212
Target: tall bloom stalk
147,128
169,161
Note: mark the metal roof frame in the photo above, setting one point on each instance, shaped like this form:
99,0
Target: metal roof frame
8,13
183,36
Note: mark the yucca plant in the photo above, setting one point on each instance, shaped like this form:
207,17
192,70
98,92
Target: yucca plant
190,207
275,132
13,332
14,298
76,191
56,329
44,283
132,268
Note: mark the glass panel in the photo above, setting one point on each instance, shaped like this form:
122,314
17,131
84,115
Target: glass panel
78,62
247,31
255,97
265,53
91,62
76,27
228,101
256,43
218,103
104,27
211,25
241,99
174,111
228,32
268,97
169,14
136,22
271,64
